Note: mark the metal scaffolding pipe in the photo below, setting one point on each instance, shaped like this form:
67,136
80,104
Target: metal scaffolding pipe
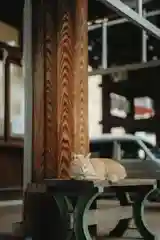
104,45
121,21
144,34
123,10
140,7
126,67
144,43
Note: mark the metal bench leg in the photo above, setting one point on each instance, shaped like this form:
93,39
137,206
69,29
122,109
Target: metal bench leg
123,198
138,214
80,216
122,224
120,228
80,226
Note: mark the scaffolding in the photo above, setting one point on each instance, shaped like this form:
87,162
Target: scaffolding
138,17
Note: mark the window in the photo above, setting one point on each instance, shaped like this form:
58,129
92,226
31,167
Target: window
130,150
11,86
16,101
102,149
11,95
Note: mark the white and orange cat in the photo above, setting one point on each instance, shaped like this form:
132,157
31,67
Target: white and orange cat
86,168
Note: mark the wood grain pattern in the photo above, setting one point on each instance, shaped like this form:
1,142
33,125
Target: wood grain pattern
51,101
81,140
38,89
73,76
60,85
65,78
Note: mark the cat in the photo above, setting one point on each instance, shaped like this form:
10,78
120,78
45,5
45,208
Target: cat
86,168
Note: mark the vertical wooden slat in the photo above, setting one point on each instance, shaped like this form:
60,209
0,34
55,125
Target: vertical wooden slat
38,87
51,100
81,139
65,78
27,74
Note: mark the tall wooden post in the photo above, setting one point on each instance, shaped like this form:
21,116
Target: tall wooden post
60,85
27,74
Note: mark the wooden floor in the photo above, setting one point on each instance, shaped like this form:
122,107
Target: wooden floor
106,217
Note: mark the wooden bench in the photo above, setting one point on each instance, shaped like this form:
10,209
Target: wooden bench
48,211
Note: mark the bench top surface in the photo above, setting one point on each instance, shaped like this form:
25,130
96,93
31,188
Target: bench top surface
78,187
128,182
81,183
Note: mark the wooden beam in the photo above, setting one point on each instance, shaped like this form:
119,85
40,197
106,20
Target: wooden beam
38,79
60,85
28,87
81,138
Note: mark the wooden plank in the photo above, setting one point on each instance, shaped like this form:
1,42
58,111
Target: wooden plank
27,74
38,88
51,90
65,79
60,76
81,139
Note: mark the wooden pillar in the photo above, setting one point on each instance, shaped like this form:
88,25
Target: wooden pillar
60,85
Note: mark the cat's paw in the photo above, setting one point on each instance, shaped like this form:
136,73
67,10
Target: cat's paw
113,179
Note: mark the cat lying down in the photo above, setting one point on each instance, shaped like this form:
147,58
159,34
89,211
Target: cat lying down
86,168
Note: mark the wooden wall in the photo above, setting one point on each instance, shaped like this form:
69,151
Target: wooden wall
11,165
